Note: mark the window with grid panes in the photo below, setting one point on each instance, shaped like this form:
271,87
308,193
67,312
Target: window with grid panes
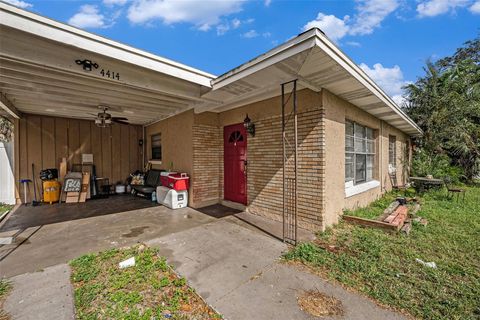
392,152
359,153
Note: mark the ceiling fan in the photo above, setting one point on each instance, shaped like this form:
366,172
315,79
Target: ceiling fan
104,119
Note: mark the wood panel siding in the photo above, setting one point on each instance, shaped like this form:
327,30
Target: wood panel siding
44,141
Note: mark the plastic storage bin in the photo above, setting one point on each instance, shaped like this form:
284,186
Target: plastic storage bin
178,181
171,198
164,177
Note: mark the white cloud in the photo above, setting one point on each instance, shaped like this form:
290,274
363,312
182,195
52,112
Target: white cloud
432,8
114,2
236,23
267,3
370,15
266,34
389,79
250,34
475,8
333,27
19,3
353,43
222,29
89,17
203,14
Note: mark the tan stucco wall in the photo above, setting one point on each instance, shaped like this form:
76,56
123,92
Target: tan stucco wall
177,145
336,111
176,142
194,142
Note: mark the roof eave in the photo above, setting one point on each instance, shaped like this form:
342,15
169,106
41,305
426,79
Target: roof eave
45,27
308,39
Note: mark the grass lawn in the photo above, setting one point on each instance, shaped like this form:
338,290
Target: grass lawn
5,287
382,265
148,290
5,207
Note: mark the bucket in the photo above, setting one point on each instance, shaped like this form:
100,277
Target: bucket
119,188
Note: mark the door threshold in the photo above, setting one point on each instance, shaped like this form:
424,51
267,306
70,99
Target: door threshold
233,205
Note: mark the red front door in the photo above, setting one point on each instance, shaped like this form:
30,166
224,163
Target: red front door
234,163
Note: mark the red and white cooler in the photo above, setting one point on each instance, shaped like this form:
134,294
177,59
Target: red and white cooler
178,181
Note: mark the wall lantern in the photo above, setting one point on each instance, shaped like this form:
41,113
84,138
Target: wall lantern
249,126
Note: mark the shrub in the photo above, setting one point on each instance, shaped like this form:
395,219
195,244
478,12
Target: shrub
437,165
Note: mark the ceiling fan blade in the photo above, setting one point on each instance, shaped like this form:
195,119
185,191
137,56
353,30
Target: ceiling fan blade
120,121
119,118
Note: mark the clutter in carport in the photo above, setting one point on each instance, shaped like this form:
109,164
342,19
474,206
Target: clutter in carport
166,187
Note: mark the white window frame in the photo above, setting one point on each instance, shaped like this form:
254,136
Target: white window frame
367,151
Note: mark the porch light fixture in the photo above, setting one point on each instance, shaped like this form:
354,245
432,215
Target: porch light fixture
249,126
88,65
103,120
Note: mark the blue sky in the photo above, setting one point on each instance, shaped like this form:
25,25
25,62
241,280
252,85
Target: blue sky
390,39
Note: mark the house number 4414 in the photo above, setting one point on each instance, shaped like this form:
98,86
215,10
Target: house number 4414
110,74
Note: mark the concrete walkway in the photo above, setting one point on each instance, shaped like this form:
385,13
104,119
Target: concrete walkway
231,264
237,271
42,295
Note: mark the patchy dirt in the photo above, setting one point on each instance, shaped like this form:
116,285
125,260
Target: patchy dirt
319,305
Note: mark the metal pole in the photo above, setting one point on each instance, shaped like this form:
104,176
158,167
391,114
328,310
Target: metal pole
296,155
283,145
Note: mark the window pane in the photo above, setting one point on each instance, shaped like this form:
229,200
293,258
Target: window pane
360,145
360,168
392,151
156,141
349,166
349,143
370,133
157,153
370,146
370,165
359,131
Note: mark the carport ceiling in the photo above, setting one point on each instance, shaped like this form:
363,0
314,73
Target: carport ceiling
39,73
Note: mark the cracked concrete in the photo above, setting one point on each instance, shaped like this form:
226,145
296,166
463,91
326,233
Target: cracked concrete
230,263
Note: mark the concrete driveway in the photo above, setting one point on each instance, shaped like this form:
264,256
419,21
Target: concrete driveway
52,244
232,265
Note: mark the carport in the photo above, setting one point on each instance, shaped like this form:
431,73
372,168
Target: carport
53,80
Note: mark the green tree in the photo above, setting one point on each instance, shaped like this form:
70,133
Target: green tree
445,103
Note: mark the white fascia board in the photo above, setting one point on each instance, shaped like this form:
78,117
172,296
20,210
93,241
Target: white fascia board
304,41
342,59
47,28
282,52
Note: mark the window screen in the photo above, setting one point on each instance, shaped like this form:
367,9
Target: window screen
359,153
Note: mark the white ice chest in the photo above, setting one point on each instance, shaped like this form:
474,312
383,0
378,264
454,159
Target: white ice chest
171,198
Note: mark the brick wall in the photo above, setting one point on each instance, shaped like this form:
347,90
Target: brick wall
264,154
265,168
207,161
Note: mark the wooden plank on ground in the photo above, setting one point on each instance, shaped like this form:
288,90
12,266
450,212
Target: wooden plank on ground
369,223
